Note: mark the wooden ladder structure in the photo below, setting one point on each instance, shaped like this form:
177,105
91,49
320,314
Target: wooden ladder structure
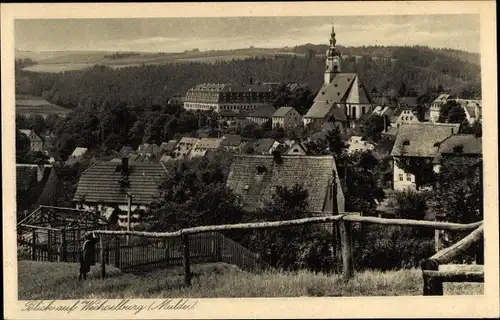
436,269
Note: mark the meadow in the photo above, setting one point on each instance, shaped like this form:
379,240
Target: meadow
45,280
27,105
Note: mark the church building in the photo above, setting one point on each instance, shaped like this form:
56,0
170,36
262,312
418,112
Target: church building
343,98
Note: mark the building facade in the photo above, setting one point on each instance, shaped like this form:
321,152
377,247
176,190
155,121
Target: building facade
36,142
286,117
235,97
436,106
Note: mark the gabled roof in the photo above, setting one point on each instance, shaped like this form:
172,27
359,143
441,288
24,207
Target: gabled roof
281,112
263,145
101,183
319,110
169,146
231,140
296,149
442,97
314,173
79,151
471,111
207,143
188,140
263,112
28,132
470,145
338,89
422,139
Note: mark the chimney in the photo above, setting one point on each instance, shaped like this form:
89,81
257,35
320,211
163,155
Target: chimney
124,165
40,171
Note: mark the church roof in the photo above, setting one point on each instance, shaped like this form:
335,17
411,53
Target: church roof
338,89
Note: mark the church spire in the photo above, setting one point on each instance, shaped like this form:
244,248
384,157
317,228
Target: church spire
333,41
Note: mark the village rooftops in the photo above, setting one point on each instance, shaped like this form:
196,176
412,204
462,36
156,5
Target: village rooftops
442,98
231,140
460,144
255,178
263,112
110,182
168,146
421,139
263,145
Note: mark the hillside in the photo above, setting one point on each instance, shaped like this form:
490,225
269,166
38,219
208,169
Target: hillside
139,83
39,280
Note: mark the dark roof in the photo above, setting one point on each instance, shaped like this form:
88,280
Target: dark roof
281,112
231,140
263,112
100,183
471,145
32,188
314,173
421,139
263,145
169,146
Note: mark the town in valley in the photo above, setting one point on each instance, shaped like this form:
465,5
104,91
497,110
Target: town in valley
131,142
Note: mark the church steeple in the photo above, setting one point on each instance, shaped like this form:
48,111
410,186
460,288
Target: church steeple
333,58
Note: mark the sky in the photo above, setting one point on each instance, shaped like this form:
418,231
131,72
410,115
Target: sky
179,34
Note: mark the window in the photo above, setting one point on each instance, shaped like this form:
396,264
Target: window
400,177
408,177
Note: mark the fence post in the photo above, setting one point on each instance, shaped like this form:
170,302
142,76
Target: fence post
49,245
346,242
62,247
187,269
103,258
33,241
117,252
432,286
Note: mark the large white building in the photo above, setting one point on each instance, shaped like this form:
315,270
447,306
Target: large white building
234,97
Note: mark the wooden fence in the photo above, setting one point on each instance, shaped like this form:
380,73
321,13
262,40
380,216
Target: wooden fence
145,255
342,221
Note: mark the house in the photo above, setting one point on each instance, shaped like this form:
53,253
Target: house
436,106
472,109
418,140
343,96
183,147
255,178
203,145
459,145
37,185
148,150
265,146
296,149
356,143
36,142
404,115
261,115
107,187
231,142
168,147
286,117
78,152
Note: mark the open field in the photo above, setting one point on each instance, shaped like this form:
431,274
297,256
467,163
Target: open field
60,61
39,280
27,105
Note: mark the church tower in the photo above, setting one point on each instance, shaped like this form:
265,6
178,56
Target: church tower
333,59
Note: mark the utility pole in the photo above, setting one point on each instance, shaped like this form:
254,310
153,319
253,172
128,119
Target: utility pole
129,209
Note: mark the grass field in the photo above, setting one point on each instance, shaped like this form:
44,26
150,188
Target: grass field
30,105
60,61
39,280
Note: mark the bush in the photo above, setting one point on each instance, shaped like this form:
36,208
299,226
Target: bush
391,247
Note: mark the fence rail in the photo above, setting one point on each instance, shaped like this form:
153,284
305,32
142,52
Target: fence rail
344,220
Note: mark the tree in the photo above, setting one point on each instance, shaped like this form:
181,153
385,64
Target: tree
22,147
362,178
335,141
421,168
372,127
409,204
451,112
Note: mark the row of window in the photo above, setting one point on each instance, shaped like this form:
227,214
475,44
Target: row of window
408,177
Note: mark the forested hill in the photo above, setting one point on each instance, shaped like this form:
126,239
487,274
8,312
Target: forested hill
416,67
